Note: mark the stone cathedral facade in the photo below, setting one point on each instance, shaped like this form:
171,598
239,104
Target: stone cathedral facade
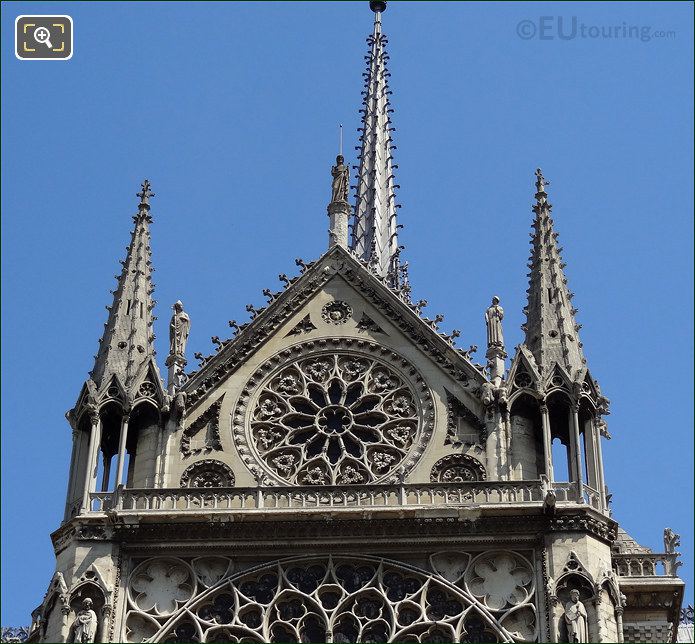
337,470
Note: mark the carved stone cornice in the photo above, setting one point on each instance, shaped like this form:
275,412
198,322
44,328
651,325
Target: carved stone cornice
602,527
419,530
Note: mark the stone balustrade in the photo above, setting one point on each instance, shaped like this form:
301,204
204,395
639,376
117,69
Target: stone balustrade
333,497
646,564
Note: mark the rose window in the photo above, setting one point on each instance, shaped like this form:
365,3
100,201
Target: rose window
336,419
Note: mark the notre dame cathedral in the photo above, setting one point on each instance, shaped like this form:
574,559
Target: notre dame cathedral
337,470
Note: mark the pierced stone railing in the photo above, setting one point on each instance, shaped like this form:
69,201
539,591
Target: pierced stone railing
297,498
568,492
100,501
647,564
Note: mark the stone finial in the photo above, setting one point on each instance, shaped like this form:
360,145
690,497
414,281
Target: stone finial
671,541
540,181
145,194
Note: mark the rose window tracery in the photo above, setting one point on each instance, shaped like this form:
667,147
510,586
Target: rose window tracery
337,418
343,599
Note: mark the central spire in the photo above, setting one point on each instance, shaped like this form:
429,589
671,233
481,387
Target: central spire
374,230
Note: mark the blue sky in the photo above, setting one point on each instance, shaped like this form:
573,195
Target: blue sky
231,111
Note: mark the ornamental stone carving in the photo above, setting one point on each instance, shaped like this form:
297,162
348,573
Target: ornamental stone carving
207,473
160,586
203,434
457,468
334,417
501,579
336,312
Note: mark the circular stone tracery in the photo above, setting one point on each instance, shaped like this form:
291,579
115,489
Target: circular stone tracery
334,418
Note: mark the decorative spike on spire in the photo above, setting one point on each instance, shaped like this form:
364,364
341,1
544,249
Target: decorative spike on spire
128,341
145,194
551,331
374,230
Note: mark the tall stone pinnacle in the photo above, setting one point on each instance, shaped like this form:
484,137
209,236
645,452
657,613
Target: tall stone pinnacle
552,335
128,337
374,230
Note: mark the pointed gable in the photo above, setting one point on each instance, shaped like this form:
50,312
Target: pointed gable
336,263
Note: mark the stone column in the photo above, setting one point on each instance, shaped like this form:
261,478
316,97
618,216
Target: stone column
107,473
599,466
492,447
69,500
619,622
121,448
339,213
92,455
577,452
590,456
599,618
547,442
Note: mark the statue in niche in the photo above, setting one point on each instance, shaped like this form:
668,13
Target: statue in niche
179,328
85,625
341,180
576,619
671,541
493,320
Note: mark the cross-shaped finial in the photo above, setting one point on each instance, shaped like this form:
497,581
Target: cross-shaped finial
145,193
541,181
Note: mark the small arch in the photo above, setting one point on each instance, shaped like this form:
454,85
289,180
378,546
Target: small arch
527,453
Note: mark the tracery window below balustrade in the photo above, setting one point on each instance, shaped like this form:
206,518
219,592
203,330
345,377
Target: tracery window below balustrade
486,597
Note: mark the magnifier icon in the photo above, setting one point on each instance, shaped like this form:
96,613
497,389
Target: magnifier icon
43,35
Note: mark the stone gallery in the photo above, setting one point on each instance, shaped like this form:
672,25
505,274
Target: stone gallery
337,470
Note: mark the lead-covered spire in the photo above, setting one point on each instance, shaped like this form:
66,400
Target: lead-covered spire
128,337
552,335
374,230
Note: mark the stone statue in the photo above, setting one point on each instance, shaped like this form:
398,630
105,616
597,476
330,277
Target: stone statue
179,328
493,321
85,625
341,180
575,618
671,541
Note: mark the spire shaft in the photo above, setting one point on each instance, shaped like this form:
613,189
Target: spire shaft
374,231
128,336
551,331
